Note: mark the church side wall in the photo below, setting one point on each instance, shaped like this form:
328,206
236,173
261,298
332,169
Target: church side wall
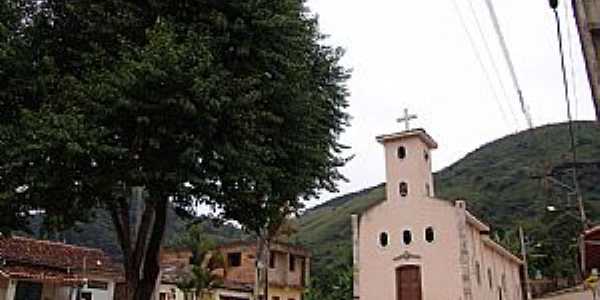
439,260
486,261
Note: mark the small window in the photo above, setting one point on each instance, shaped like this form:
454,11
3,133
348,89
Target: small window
401,152
490,278
292,263
96,284
234,259
86,296
272,260
384,239
478,272
403,189
407,237
429,234
426,155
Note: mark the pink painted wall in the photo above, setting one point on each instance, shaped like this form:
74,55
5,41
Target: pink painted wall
439,260
489,259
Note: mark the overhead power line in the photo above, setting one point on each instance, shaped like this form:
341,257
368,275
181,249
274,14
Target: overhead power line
567,7
508,59
485,71
493,62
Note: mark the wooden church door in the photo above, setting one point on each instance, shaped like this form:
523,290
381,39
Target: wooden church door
408,283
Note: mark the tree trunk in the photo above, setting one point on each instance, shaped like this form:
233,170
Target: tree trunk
141,251
262,259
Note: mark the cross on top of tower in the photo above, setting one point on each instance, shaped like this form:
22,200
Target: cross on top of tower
406,119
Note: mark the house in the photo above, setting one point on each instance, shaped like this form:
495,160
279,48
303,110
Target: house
175,264
39,270
289,272
590,250
414,246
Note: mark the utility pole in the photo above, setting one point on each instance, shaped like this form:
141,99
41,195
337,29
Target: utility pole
587,17
525,264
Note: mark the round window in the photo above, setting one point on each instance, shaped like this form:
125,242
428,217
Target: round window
429,234
384,240
401,152
407,237
403,189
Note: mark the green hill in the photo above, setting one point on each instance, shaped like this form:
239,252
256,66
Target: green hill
496,180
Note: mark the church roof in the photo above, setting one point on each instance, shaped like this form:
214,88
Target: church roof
419,132
501,250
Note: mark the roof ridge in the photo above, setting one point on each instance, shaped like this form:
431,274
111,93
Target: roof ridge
56,243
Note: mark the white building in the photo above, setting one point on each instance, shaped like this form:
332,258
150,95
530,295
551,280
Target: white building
39,270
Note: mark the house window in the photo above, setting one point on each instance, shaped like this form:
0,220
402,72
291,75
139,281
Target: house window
407,237
272,260
86,296
403,189
489,271
98,285
234,259
429,234
478,272
401,152
426,155
292,263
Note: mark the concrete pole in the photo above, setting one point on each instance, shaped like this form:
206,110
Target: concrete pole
587,17
525,264
355,257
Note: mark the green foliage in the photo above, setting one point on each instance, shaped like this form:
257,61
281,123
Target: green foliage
333,282
237,104
201,278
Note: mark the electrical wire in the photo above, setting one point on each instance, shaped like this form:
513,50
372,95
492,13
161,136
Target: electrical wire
492,61
509,62
565,83
571,61
481,64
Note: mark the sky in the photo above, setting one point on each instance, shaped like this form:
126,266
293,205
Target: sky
417,55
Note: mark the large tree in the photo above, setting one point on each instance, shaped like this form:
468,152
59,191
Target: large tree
233,103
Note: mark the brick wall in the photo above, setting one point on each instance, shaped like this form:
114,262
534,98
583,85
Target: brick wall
280,275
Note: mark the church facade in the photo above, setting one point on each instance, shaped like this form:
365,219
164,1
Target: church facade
413,246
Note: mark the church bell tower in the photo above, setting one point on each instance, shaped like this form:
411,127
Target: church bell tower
408,164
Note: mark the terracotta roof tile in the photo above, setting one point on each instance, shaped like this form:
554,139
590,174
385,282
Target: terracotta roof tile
56,255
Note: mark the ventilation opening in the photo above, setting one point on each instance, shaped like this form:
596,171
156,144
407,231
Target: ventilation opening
429,234
401,152
384,240
407,237
403,189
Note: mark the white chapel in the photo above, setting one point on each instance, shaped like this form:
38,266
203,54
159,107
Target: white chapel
414,246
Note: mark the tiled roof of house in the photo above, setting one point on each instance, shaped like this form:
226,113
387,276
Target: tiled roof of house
25,257
38,273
